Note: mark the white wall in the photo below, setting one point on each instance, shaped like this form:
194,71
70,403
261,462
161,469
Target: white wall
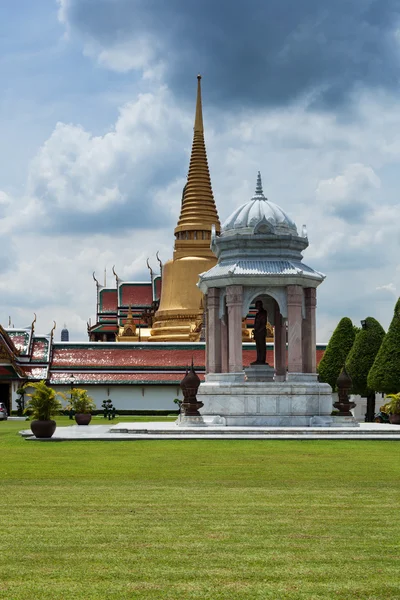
361,406
127,397
133,397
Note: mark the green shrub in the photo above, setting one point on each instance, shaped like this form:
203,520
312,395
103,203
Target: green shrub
393,406
43,403
384,375
81,402
362,355
336,352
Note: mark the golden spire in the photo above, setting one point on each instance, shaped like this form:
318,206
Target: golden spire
198,122
198,210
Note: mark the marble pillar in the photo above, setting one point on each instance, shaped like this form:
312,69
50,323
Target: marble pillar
207,333
234,303
214,331
224,343
279,345
309,331
295,326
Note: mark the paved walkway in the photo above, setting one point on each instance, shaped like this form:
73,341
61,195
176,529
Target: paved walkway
170,431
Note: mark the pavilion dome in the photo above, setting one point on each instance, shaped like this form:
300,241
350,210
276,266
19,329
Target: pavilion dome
259,215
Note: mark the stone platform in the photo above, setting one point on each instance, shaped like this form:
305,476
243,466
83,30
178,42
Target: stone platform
171,431
242,403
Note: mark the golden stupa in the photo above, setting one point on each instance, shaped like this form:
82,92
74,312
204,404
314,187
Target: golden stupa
180,314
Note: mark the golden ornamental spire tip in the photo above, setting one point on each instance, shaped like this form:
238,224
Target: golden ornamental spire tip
198,122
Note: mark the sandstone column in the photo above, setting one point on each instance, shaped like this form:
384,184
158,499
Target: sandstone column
279,345
214,331
309,331
234,302
224,343
295,322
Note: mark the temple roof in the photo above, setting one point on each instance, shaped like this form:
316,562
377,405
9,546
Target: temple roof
109,363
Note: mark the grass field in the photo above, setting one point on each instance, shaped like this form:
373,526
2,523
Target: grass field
199,519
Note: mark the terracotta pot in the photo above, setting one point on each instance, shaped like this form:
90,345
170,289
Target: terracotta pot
394,419
83,418
43,429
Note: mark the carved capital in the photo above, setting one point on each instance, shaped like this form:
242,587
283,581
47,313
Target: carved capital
310,297
294,295
213,298
234,295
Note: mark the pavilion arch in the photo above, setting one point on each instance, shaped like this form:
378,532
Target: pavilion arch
266,294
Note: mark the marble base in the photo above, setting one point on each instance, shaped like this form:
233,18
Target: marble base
274,404
339,421
259,373
302,377
321,421
186,421
226,377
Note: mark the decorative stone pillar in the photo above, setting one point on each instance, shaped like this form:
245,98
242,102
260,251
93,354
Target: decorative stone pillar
309,331
234,302
279,345
214,331
295,322
224,343
205,325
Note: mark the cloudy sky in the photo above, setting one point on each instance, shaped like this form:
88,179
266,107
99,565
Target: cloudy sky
97,108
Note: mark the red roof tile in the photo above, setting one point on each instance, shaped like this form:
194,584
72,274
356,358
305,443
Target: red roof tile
158,284
36,372
108,300
141,356
98,378
126,356
20,339
40,350
136,294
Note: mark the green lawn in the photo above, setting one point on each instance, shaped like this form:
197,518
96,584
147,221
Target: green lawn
198,519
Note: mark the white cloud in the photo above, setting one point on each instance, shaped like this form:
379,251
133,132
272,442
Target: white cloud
389,287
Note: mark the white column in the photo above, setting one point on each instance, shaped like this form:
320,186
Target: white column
234,302
279,345
309,332
295,322
214,331
224,343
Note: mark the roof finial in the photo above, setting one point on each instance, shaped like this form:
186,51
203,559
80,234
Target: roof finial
259,189
198,123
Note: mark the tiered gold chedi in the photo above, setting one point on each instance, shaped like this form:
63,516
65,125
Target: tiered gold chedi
180,314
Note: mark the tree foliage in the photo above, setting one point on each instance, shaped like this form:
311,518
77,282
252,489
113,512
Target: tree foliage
362,355
384,375
336,352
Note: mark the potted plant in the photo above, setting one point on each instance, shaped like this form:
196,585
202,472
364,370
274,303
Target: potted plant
82,404
43,404
392,408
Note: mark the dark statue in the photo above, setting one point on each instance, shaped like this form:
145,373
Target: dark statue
260,333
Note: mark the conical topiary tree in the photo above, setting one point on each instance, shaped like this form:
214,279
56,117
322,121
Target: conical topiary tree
384,375
336,352
360,360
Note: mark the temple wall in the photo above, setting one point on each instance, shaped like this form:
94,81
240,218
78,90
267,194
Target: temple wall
129,397
135,397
